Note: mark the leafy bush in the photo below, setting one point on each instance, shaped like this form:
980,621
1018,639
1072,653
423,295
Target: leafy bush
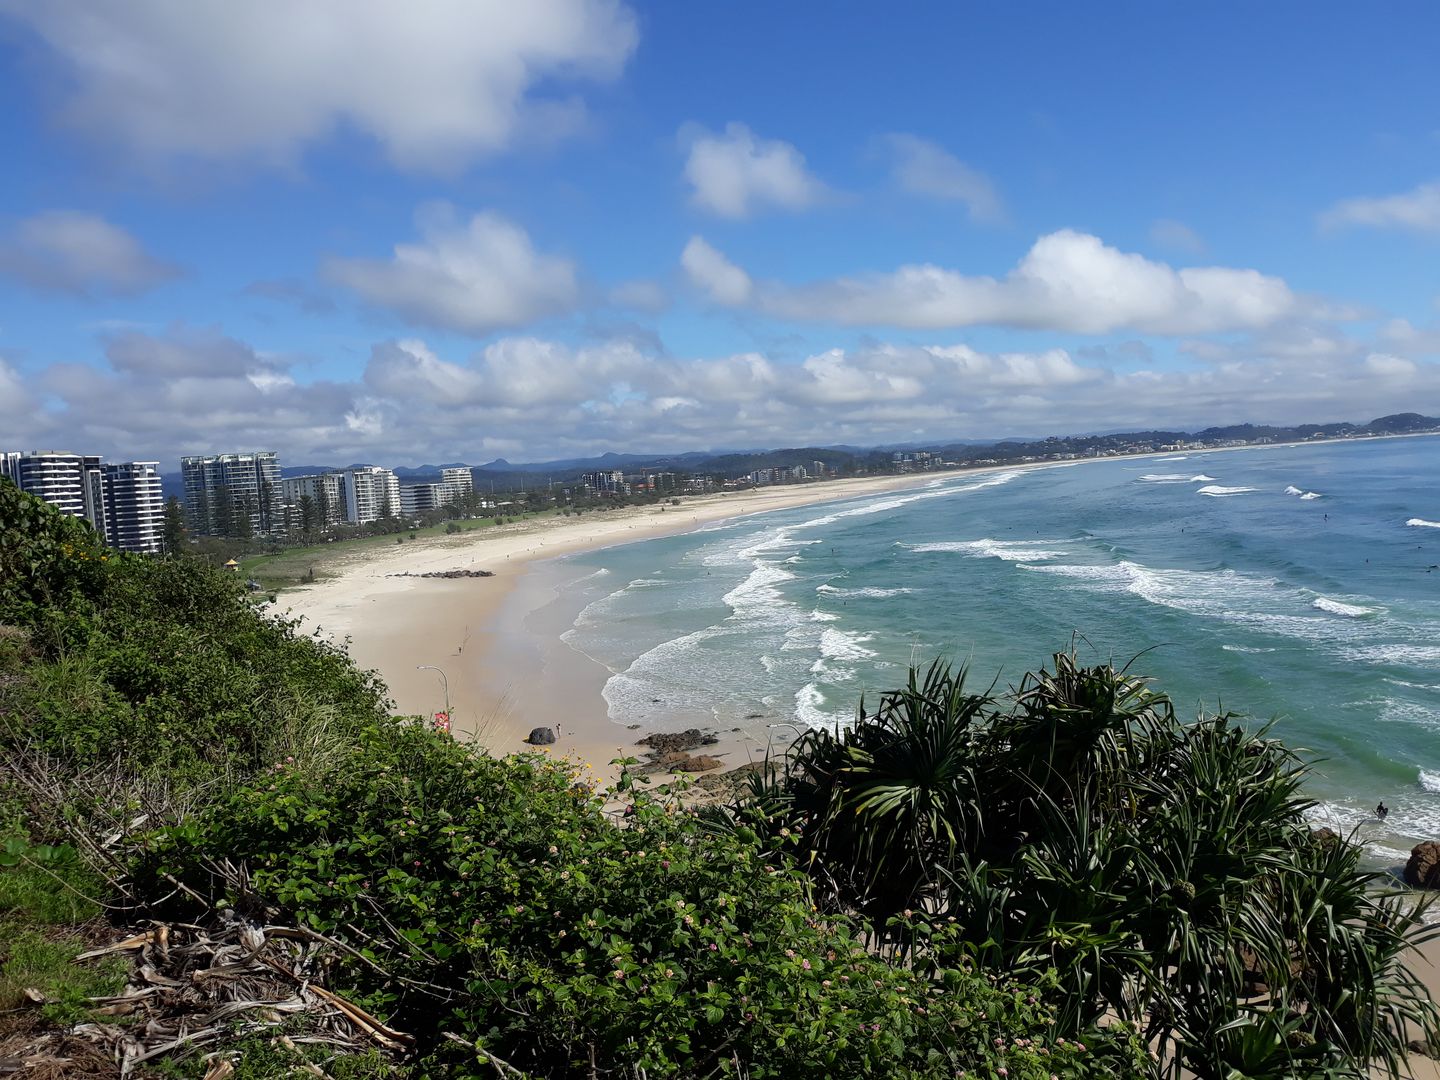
162,662
493,899
1161,872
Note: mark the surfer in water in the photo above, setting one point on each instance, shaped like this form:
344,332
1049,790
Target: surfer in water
1382,811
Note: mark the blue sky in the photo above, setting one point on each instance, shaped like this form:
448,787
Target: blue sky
459,230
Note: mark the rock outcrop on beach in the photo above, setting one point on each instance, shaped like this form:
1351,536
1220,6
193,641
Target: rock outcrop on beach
668,742
1423,869
446,574
541,736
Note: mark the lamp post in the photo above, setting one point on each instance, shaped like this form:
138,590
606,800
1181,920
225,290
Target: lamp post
443,680
799,729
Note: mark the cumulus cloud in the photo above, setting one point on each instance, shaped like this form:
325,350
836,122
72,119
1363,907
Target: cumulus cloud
528,398
1177,236
1417,210
1067,281
473,277
735,174
182,352
82,254
923,167
715,275
434,82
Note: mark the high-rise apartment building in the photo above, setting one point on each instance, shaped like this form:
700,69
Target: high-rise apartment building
134,506
232,494
123,501
458,483
370,493
418,499
72,483
326,505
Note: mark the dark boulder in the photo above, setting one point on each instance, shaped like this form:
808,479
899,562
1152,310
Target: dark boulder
668,742
1423,869
541,736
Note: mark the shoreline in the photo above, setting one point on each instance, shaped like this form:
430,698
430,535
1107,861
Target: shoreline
498,639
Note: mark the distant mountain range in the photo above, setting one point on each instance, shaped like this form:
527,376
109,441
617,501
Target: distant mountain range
503,475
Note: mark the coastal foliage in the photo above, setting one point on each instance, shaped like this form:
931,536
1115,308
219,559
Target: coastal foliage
162,663
494,900
1159,871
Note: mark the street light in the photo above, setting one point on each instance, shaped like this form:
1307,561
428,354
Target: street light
444,681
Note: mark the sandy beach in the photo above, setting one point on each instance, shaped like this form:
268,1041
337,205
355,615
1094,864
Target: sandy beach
497,639
500,682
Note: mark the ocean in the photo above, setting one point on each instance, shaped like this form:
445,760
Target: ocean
1293,583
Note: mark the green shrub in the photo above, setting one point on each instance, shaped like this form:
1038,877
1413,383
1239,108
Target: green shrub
559,941
163,663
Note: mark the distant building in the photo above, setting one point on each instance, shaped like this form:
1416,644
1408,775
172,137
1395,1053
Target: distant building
232,494
134,506
606,483
326,502
72,483
369,493
818,470
457,482
122,501
417,499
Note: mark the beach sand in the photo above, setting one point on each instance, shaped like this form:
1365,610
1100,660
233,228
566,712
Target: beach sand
497,639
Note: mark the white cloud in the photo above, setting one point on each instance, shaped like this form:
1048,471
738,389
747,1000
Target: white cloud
528,398
925,168
1386,366
472,277
735,174
73,252
1417,340
1177,236
707,269
1067,281
1416,211
435,82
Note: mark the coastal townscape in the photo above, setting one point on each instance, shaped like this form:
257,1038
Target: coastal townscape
626,540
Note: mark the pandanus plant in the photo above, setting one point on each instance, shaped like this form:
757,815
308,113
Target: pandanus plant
1159,872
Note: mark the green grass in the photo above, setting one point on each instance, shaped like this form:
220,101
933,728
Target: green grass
41,916
290,568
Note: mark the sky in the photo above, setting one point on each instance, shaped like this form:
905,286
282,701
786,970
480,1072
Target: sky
456,230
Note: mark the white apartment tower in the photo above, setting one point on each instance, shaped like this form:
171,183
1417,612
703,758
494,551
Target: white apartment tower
123,501
369,493
232,494
72,483
324,490
134,506
458,482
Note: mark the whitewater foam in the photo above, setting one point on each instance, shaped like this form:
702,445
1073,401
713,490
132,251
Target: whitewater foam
1421,523
1337,607
1020,551
1217,492
895,502
872,593
844,645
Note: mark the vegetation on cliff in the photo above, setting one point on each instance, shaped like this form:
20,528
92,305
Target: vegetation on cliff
1040,887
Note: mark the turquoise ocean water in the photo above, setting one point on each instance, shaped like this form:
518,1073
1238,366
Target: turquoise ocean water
1299,583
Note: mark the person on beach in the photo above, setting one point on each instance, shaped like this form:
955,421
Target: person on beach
1382,811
